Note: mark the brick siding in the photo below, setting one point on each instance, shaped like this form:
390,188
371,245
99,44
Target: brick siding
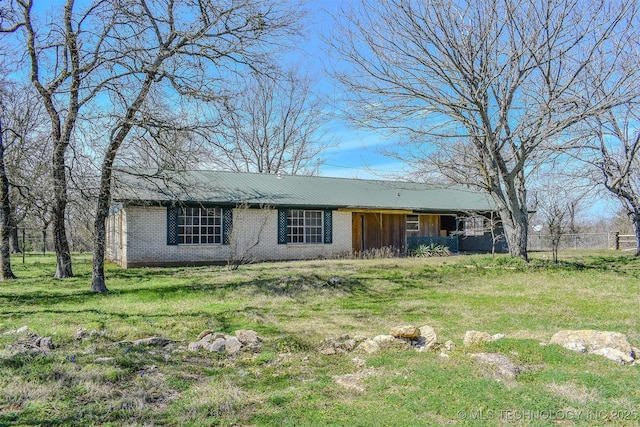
254,238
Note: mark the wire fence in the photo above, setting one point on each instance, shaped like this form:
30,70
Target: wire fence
594,241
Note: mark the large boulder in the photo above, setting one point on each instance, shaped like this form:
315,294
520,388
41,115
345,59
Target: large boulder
405,331
596,342
428,337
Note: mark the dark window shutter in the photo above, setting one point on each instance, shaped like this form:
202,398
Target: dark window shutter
328,226
227,225
173,213
282,226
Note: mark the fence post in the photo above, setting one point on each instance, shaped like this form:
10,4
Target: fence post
616,240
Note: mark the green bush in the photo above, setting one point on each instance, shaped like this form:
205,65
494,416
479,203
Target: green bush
432,250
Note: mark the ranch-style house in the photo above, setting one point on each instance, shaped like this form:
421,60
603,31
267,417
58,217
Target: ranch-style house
162,218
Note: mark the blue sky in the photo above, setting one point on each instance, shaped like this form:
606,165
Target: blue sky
356,153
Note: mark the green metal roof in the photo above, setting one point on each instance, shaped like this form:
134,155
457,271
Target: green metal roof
237,188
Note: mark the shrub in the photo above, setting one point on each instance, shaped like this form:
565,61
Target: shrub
432,250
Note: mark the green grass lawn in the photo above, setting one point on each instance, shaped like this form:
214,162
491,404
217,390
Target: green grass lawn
294,308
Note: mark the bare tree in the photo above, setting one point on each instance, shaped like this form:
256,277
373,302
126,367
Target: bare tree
213,40
64,52
614,151
482,89
109,58
274,125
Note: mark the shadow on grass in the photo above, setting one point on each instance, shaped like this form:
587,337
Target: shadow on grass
16,419
627,265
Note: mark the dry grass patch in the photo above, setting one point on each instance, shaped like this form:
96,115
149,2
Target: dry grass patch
573,392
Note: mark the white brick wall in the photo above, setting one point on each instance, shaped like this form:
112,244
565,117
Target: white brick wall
254,237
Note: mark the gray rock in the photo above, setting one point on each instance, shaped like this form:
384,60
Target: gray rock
218,346
81,333
348,344
449,345
22,330
233,346
104,360
204,334
248,337
209,338
45,343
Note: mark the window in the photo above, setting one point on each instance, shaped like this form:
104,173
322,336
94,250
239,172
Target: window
474,226
200,226
304,226
413,224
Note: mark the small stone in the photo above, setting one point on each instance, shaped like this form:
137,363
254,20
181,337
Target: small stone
405,331
195,346
475,337
204,334
348,344
334,281
22,330
443,354
104,360
212,337
368,346
449,345
45,343
497,337
81,333
233,346
384,339
327,351
248,337
329,347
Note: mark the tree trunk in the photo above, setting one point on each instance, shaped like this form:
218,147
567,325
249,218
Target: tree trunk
515,223
5,227
44,239
636,226
14,238
60,242
98,284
